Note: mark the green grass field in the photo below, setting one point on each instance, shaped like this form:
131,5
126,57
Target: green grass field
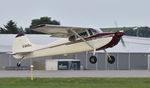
75,83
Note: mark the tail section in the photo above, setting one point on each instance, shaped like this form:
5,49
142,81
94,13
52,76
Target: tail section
21,45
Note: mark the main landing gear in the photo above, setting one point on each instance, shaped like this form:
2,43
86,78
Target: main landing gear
93,59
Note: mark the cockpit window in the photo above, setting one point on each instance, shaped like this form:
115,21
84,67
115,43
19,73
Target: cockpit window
93,31
72,38
83,34
90,32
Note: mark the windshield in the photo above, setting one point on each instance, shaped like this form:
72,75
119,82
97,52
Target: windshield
93,31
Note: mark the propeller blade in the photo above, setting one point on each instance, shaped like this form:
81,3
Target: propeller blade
122,41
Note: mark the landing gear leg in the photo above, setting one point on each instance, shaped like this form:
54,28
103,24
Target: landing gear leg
111,59
19,63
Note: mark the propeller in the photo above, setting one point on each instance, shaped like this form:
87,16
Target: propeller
119,35
122,41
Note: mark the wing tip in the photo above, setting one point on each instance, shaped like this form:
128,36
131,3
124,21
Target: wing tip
38,26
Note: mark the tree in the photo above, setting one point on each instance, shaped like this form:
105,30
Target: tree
140,31
130,32
42,20
2,31
11,28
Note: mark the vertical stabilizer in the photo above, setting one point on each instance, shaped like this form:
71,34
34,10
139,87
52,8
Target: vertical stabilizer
22,44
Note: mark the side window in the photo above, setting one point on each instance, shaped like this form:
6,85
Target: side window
90,32
84,34
94,31
72,38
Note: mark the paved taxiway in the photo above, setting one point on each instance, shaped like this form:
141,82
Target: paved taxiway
87,73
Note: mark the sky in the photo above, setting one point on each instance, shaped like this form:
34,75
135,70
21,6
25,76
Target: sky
81,13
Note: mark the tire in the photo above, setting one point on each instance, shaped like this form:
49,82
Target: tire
18,64
112,61
93,59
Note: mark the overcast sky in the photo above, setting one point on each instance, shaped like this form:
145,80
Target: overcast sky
84,13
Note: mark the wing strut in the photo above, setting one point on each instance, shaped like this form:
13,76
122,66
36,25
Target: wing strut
82,39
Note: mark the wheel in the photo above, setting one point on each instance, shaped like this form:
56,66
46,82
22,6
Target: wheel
93,59
18,64
112,60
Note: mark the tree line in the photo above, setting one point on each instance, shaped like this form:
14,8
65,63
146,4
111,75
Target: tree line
139,31
12,28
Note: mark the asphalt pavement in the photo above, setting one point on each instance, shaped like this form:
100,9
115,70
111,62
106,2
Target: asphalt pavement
81,73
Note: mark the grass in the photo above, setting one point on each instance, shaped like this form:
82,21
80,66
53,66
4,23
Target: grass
75,83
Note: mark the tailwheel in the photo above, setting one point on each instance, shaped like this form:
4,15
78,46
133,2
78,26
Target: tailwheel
93,59
18,64
111,60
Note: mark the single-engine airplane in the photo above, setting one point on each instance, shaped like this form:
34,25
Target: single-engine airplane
76,39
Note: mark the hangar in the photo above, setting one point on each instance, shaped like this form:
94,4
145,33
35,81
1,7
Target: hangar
135,56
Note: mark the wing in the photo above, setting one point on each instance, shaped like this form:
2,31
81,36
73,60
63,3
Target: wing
58,31
115,29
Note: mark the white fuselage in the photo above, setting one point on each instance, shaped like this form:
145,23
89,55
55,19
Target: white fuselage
64,46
